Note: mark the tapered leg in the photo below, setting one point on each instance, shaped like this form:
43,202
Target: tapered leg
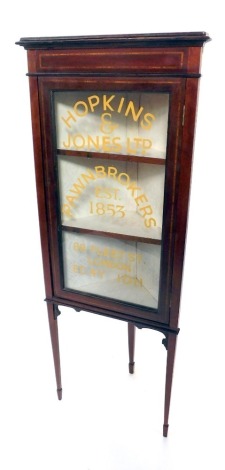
131,346
53,325
171,349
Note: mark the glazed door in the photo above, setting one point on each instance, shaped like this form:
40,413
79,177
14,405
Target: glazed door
111,190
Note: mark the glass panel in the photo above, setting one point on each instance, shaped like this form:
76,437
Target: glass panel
122,270
117,197
111,170
114,123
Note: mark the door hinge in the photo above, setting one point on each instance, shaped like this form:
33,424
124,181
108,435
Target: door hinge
183,116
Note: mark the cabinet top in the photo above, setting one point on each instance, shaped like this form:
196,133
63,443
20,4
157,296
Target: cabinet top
118,40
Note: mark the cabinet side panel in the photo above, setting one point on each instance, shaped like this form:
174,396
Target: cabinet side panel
32,61
194,59
40,183
183,195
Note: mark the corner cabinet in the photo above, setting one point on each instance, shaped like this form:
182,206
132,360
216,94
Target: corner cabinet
113,123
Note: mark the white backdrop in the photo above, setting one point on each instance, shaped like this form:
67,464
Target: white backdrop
107,419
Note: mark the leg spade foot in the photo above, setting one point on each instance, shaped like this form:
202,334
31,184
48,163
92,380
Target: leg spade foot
165,430
171,350
131,346
53,313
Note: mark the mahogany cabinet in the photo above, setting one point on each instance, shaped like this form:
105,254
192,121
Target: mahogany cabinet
113,124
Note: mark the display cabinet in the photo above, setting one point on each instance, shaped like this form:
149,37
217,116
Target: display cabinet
113,124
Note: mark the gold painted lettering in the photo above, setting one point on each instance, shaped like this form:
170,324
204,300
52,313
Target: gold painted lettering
133,188
146,122
94,249
81,247
100,208
106,193
109,264
146,145
112,172
121,210
70,200
124,179
88,176
77,108
130,150
150,222
135,115
66,120
120,105
66,210
93,272
106,144
78,141
138,142
100,170
103,193
114,253
98,273
93,143
115,192
117,147
137,257
77,187
106,102
107,126
68,143
78,269
147,210
105,251
93,102
141,198
128,280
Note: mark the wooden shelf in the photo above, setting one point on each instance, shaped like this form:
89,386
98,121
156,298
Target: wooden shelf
113,156
119,236
130,229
